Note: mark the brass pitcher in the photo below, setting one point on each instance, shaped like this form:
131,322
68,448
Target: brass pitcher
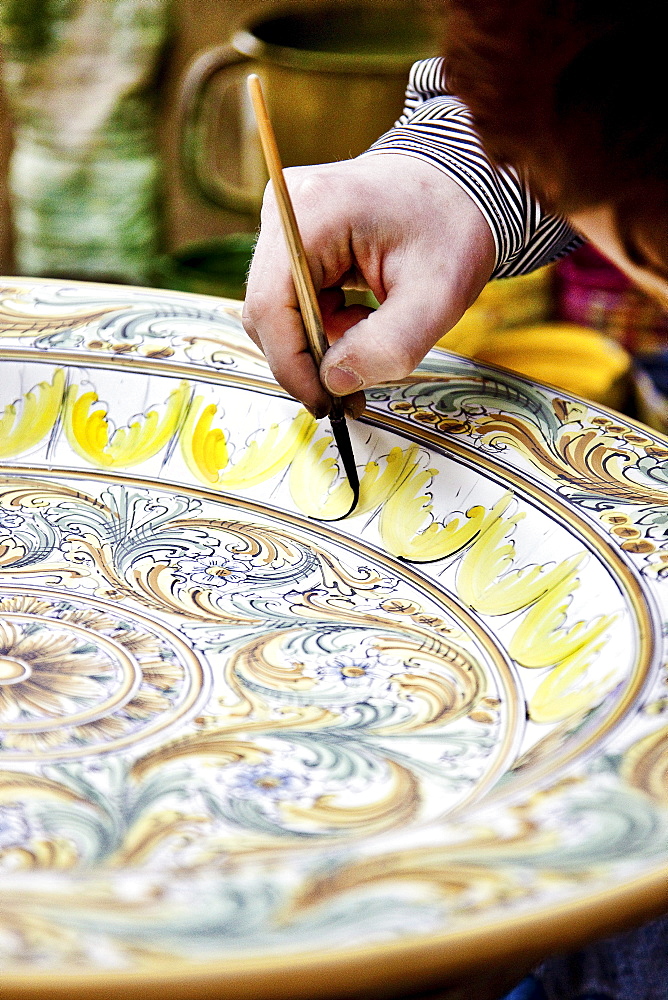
334,77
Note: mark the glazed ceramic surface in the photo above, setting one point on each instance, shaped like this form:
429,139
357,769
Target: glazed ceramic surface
236,734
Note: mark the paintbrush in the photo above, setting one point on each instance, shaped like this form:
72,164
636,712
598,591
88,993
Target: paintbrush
301,275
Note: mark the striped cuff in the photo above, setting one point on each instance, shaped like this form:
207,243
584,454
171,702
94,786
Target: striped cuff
439,129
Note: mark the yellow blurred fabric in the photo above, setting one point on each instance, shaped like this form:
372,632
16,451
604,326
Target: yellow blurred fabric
509,325
508,302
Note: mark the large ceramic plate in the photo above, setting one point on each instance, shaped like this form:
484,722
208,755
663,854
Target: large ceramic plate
247,751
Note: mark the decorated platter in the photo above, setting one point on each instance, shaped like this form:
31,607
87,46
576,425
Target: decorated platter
247,750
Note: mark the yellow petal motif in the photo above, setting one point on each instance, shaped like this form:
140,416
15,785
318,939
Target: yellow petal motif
264,458
486,580
565,692
312,479
540,639
88,431
403,517
206,454
377,487
204,448
36,416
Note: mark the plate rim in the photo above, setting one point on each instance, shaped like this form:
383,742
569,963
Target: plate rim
295,977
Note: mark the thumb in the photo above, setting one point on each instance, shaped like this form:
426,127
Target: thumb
389,343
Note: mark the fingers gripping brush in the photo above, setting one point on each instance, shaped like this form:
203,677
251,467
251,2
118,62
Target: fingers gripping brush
304,288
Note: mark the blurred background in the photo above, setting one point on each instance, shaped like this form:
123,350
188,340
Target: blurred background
128,154
127,59
191,26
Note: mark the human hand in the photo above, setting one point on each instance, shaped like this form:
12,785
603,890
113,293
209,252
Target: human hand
390,223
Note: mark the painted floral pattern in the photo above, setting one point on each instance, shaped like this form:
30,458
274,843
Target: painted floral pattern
74,680
44,672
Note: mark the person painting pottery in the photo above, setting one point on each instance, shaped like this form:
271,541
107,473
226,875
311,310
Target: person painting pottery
541,127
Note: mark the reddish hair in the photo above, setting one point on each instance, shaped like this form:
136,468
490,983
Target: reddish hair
572,93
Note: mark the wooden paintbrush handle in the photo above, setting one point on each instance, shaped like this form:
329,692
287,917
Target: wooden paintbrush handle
301,274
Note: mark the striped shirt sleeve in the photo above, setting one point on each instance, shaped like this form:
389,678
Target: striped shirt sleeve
437,127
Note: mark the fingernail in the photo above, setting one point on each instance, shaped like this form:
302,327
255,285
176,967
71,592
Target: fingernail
318,412
342,381
354,409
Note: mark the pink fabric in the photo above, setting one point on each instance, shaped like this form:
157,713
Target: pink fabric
591,291
587,268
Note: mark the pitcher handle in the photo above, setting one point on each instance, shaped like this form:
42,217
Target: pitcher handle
194,165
